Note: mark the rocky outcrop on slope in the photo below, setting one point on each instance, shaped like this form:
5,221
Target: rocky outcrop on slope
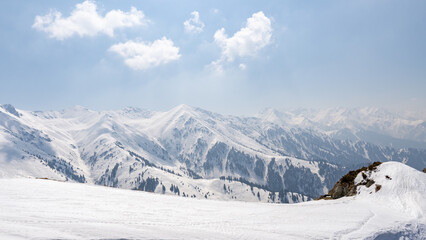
346,186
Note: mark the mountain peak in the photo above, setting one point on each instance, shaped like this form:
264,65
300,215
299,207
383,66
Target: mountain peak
183,107
10,109
132,109
75,111
136,112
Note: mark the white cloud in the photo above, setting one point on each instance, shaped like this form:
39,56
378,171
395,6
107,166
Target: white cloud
247,41
85,20
242,66
141,56
194,24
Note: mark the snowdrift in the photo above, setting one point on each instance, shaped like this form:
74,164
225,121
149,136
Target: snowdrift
398,186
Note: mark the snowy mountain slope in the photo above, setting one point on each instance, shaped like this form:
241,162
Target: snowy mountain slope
313,145
401,187
33,208
373,125
104,149
186,147
27,150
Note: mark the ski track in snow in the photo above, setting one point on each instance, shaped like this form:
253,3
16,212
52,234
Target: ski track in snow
359,227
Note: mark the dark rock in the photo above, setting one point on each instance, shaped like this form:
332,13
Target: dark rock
369,183
346,187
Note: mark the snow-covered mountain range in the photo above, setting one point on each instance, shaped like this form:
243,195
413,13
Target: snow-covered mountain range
43,209
195,153
372,125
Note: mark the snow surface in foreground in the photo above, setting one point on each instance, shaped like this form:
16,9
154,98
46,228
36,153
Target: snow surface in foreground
40,209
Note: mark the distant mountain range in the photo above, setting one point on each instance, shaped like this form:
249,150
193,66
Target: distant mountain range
273,157
373,125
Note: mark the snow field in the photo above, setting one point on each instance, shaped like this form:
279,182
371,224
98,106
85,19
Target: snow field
34,208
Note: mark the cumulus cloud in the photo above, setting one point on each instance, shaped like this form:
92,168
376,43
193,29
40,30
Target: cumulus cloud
85,20
242,66
194,24
247,41
141,56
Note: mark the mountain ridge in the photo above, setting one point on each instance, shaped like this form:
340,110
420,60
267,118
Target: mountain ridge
199,151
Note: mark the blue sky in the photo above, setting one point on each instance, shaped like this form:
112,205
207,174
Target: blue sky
281,54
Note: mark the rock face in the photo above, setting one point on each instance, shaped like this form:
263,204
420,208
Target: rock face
346,186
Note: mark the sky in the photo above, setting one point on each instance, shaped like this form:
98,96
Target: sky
231,57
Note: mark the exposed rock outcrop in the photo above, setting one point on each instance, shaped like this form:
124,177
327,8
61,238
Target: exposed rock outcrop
346,186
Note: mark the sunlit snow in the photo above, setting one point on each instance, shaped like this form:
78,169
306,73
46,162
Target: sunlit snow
34,208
